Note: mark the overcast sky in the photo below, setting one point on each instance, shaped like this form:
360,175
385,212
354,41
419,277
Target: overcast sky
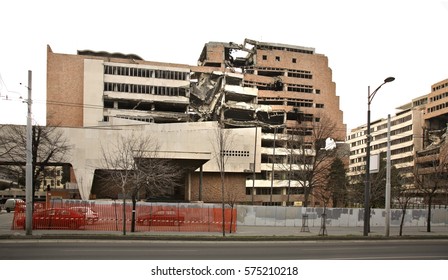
365,41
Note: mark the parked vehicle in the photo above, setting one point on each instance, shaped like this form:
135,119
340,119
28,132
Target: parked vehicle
161,218
54,218
90,216
11,203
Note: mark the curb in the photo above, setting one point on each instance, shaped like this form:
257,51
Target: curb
214,238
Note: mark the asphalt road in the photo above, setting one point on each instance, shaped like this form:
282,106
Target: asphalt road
194,250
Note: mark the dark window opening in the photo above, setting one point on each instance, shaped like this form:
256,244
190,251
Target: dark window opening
212,64
108,104
270,73
270,102
294,116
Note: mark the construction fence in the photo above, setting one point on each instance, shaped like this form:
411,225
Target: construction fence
111,216
280,216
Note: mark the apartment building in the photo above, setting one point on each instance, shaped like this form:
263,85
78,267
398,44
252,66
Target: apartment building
417,133
273,94
406,136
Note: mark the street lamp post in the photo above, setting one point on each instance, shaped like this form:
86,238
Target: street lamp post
29,164
370,96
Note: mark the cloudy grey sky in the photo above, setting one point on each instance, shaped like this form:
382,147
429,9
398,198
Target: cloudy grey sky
365,41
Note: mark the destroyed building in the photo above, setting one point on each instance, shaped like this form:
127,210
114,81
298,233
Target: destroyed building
277,95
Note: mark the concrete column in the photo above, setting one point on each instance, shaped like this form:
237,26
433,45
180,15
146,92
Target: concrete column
188,187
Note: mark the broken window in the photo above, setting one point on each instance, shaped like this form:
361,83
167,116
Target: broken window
270,72
268,101
277,58
300,88
265,57
294,60
300,74
300,103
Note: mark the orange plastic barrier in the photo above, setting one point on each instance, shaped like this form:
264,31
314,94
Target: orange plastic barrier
92,215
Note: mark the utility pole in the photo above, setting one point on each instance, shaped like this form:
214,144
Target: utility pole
29,164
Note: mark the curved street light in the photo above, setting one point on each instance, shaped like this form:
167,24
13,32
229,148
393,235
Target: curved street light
370,96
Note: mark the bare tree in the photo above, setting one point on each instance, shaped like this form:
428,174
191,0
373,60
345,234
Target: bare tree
313,159
132,164
222,144
431,174
232,198
49,148
403,196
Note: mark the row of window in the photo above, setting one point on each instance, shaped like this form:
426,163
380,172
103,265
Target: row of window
146,73
275,191
394,123
378,128
265,191
278,86
266,47
394,142
394,132
275,72
155,90
403,150
276,101
230,153
303,103
438,107
440,86
301,88
382,145
300,75
393,152
439,96
402,160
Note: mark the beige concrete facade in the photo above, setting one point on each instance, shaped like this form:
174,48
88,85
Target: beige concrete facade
406,130
418,131
184,141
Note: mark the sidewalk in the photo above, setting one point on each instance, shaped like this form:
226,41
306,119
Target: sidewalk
243,233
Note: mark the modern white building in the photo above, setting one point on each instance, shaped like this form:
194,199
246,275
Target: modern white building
406,137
